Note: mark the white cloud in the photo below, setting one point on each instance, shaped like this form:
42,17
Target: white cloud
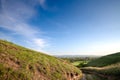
17,27
14,17
17,9
42,3
39,42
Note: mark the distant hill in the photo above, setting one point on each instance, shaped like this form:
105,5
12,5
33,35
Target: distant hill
105,60
19,63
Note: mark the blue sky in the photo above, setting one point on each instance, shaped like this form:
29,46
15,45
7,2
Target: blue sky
62,27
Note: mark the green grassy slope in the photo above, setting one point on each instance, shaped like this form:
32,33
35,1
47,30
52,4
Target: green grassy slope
105,60
111,72
19,63
107,66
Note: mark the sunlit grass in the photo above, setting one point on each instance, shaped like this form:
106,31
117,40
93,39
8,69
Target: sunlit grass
19,63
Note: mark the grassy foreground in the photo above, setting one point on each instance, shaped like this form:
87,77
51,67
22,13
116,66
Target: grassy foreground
19,63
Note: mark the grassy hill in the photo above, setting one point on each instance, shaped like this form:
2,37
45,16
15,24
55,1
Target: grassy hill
106,66
111,70
19,63
105,60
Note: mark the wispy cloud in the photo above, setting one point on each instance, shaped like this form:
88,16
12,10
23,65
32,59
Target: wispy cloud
14,16
43,4
39,42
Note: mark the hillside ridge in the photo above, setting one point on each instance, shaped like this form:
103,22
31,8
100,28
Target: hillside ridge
19,63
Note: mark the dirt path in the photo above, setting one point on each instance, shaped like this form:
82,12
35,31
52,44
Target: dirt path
90,77
84,77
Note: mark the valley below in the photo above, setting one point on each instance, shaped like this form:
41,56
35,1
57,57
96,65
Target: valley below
98,68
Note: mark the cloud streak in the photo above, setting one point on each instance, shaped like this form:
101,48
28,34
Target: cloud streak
43,4
14,16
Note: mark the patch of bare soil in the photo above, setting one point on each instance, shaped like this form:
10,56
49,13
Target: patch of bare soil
9,61
73,76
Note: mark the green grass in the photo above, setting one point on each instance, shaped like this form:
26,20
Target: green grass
76,63
112,71
105,60
108,66
80,63
19,63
